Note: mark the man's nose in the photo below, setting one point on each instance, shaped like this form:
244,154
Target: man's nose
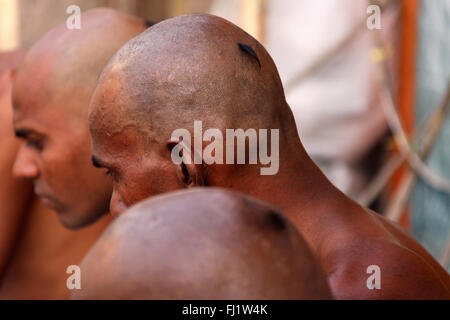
116,205
24,165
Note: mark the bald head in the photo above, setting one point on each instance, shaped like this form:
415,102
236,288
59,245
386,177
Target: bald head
66,63
51,95
188,68
203,244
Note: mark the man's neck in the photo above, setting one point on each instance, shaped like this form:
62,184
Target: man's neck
303,193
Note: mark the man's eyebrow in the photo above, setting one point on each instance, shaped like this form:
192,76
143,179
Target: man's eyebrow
96,162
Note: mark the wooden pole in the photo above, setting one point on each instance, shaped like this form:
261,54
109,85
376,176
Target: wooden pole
9,25
251,17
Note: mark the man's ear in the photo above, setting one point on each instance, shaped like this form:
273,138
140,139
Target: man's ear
189,173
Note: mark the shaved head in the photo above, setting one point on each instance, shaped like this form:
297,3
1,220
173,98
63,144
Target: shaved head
67,62
202,244
203,68
192,67
51,95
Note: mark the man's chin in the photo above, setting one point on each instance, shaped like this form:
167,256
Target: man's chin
75,221
68,222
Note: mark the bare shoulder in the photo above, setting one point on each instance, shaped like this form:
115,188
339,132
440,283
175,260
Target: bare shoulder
378,268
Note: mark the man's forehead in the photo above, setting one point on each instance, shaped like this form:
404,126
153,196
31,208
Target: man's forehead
38,94
108,106
114,130
31,87
109,86
43,113
115,140
35,70
104,120
34,108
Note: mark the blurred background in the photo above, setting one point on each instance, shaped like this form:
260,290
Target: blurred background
370,104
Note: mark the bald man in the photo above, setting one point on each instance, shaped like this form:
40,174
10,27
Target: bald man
204,68
51,95
202,244
35,249
51,98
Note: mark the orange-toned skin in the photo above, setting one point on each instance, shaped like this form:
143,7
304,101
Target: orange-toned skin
35,249
191,68
12,191
206,243
45,249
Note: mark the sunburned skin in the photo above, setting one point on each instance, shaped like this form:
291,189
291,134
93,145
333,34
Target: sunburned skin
201,244
192,68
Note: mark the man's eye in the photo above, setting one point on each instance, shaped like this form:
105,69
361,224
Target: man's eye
35,144
112,174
